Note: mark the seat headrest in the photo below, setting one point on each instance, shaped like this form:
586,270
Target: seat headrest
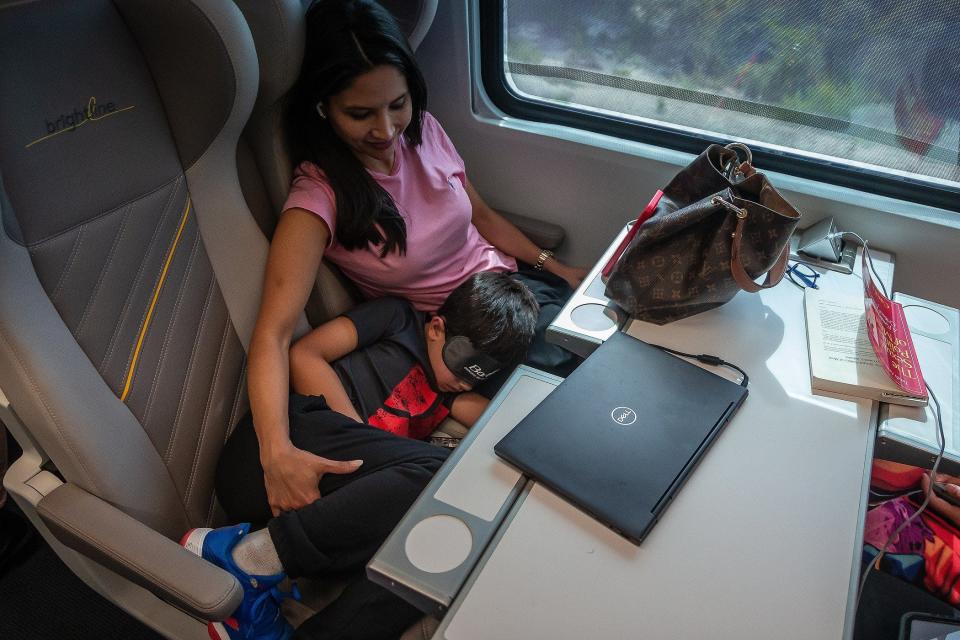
414,16
278,29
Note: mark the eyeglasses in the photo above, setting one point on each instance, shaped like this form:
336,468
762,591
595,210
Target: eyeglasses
802,276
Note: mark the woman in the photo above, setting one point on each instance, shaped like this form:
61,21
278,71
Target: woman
383,194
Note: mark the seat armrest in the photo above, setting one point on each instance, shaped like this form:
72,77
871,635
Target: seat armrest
545,235
103,533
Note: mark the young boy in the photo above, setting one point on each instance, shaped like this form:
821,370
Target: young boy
388,365
395,372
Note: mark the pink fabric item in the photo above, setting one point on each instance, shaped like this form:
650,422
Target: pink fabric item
443,246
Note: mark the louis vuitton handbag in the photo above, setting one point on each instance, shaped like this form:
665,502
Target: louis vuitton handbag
717,227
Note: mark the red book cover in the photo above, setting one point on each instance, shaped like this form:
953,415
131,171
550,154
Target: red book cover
890,336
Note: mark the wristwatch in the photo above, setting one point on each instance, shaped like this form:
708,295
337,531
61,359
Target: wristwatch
545,254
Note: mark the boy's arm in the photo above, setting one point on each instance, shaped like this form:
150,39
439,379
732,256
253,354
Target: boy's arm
310,358
467,407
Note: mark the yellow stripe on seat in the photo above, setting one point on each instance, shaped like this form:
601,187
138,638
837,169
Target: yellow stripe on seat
153,303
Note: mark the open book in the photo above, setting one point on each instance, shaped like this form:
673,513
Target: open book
842,358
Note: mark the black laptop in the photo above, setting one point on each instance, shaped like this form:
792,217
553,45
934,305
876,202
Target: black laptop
620,435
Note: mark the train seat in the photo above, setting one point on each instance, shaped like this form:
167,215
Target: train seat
130,276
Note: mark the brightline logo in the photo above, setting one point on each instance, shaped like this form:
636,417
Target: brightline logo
78,118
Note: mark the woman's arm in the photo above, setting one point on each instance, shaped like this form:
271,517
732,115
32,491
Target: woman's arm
310,358
291,475
506,237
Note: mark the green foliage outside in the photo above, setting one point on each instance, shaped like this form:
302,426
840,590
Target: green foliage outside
824,58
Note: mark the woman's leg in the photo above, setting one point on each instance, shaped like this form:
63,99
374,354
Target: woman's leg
552,293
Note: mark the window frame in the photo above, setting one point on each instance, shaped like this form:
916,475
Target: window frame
494,82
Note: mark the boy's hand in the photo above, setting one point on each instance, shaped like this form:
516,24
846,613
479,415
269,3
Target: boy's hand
292,477
944,508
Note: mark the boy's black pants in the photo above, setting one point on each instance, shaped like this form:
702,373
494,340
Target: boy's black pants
340,532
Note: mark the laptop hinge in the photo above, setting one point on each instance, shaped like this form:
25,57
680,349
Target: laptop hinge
693,460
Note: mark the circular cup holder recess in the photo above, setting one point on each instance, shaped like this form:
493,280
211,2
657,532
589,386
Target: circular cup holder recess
594,317
438,544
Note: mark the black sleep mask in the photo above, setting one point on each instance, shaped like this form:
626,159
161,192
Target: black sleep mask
465,362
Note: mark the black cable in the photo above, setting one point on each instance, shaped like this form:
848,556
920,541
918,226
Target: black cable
706,358
877,498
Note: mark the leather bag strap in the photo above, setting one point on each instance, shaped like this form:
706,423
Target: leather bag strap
774,275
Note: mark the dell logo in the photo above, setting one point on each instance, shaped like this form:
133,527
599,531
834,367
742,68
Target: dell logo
624,416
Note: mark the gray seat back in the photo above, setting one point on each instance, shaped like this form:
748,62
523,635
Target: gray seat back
130,267
266,170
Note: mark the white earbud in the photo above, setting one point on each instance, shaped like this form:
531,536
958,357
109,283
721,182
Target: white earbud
321,111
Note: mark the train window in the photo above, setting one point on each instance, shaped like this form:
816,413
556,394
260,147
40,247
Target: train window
864,93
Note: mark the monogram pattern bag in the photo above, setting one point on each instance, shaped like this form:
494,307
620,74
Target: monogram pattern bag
708,234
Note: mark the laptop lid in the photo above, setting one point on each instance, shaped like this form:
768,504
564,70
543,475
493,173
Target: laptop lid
620,435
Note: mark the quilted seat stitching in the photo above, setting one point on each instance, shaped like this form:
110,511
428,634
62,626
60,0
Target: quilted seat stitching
103,271
191,480
37,243
69,266
108,356
190,368
169,330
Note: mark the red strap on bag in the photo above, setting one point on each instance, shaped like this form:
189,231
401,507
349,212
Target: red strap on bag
647,212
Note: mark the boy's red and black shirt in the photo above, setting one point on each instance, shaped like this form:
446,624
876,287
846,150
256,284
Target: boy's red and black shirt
388,376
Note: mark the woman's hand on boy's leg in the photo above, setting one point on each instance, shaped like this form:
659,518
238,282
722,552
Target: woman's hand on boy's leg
292,477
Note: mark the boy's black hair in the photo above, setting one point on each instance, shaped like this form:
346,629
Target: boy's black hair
345,39
498,314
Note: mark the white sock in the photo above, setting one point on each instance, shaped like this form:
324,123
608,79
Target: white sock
256,554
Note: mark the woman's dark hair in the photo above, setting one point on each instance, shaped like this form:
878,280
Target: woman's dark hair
347,38
498,314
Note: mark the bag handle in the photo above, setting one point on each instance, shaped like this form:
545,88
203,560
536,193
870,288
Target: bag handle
627,239
735,169
774,275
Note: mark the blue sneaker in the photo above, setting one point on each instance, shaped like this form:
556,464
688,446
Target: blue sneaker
258,617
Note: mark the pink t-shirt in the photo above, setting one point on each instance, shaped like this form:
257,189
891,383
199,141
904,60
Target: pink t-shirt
443,246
